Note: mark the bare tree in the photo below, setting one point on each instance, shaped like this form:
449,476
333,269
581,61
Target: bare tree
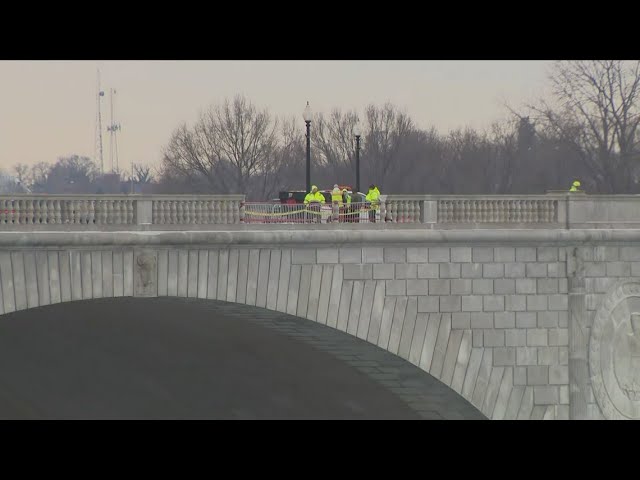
39,176
285,166
142,174
386,129
335,140
512,146
598,114
23,174
230,144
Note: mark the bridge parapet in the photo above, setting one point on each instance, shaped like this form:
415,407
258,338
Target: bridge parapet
438,212
553,210
117,211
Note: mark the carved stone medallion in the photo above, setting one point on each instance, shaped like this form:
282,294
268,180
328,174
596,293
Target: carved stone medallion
614,353
146,274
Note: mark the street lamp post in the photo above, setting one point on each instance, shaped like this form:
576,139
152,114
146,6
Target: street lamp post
357,132
307,115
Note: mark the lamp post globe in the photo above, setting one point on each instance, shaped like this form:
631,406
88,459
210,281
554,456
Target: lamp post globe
308,115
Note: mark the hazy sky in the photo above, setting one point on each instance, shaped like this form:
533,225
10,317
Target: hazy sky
48,108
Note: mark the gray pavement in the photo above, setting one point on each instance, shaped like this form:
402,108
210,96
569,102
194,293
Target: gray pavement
178,358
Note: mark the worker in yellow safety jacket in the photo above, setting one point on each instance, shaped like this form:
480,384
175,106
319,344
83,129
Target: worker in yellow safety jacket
373,197
336,195
313,201
348,213
314,196
574,186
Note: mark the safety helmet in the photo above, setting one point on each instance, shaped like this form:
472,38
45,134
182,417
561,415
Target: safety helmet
314,188
335,186
576,183
344,190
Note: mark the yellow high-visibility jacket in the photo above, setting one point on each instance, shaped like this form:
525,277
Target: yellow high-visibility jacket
336,195
374,198
314,197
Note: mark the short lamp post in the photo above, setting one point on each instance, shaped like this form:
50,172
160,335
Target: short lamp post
357,131
308,115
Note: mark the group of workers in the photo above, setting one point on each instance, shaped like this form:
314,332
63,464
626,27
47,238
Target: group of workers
343,197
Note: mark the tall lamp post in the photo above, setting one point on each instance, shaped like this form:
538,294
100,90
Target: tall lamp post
307,115
357,131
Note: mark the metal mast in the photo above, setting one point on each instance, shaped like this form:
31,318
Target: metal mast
113,129
99,95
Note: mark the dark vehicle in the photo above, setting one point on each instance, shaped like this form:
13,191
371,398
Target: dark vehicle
292,197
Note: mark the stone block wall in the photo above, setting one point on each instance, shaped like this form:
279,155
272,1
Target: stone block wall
490,322
523,324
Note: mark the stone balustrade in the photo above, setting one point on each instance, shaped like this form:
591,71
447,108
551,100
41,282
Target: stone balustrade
553,210
118,210
77,210
510,210
197,210
473,209
135,212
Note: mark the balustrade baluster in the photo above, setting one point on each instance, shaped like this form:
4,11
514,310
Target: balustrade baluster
217,217
165,212
131,213
207,212
229,212
36,212
187,211
57,217
171,212
31,212
91,212
196,212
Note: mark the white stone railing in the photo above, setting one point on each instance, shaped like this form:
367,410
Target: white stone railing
118,210
403,208
73,210
498,211
475,209
554,210
197,210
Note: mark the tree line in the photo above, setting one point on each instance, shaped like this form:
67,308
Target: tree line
78,174
587,130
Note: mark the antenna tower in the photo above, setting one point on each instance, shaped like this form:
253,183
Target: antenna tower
99,95
113,129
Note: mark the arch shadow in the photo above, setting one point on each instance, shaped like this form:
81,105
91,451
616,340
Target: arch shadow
175,357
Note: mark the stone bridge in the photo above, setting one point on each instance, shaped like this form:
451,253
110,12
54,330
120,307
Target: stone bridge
528,307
